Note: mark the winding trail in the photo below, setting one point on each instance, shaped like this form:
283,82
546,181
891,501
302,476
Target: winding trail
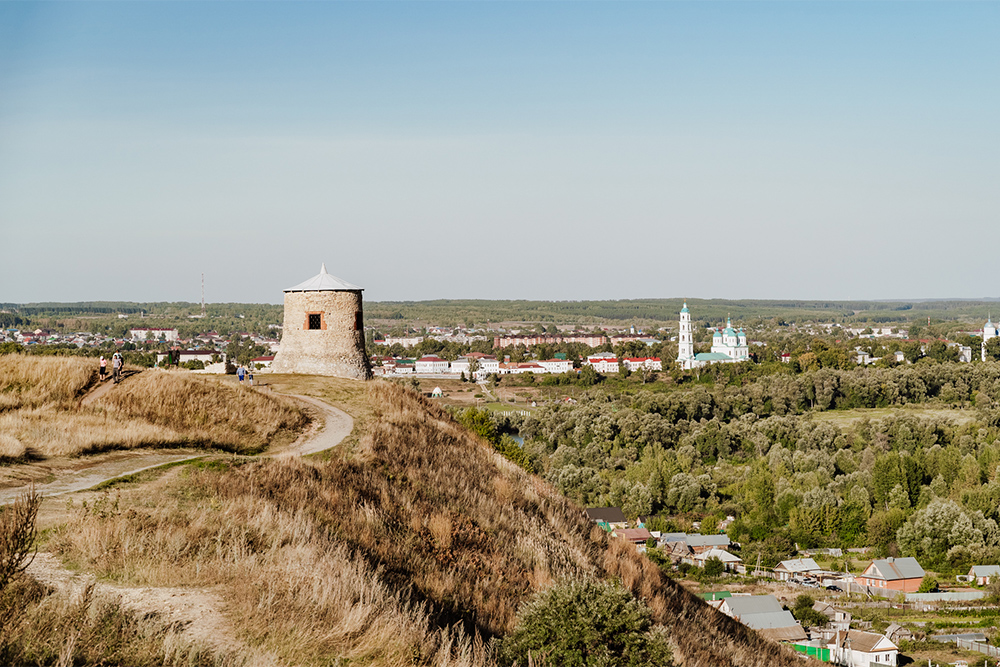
330,427
193,615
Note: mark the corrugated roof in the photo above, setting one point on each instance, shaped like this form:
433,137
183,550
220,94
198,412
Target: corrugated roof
609,514
798,565
893,569
790,633
774,619
741,606
985,570
721,554
865,642
696,540
324,282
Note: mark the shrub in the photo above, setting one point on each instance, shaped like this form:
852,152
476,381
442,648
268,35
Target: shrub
714,567
17,543
578,624
803,611
928,585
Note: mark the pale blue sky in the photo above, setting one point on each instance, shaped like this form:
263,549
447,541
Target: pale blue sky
549,150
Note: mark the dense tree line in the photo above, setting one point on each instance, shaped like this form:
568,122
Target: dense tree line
761,451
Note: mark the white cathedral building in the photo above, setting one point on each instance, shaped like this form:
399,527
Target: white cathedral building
728,345
989,331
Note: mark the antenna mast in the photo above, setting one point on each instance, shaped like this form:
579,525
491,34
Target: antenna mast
203,294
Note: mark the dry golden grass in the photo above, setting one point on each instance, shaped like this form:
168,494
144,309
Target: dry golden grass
80,627
51,432
43,416
204,409
29,382
412,549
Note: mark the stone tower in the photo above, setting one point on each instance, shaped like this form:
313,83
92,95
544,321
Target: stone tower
324,330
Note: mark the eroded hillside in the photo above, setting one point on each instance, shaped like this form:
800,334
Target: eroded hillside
416,546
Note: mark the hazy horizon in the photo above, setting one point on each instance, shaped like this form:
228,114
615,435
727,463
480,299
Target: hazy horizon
543,151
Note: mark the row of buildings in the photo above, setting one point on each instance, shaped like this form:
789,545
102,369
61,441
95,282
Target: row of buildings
478,365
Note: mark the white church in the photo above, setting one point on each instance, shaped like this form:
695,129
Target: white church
989,331
728,345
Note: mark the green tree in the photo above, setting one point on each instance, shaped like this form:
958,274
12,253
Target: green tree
929,584
714,568
584,624
993,349
943,524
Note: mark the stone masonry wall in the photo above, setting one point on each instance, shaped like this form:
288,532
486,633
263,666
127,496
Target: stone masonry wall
338,349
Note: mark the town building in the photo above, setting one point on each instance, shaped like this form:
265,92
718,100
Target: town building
152,333
556,365
639,363
590,340
323,330
432,364
603,362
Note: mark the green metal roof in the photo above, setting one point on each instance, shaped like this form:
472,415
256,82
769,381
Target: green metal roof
712,356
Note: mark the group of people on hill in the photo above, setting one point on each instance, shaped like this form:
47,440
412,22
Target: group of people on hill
117,364
244,373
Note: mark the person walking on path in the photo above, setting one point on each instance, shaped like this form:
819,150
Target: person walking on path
104,368
240,372
250,375
116,367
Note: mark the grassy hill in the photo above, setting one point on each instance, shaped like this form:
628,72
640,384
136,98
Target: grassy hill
415,545
43,412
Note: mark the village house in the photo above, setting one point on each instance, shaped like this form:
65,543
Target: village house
730,562
262,362
897,633
855,648
897,574
837,619
701,543
637,536
984,574
611,517
796,567
764,614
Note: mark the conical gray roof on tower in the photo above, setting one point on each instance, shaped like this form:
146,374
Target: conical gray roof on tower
324,282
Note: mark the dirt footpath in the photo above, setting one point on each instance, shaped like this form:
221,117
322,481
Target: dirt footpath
330,426
192,614
329,431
